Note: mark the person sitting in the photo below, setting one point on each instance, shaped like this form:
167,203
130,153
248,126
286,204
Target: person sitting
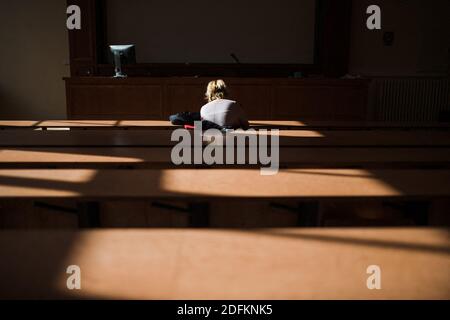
219,113
220,110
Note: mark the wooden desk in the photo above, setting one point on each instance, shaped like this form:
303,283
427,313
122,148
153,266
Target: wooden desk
350,125
200,184
88,124
103,138
367,138
94,157
158,138
137,98
227,264
165,125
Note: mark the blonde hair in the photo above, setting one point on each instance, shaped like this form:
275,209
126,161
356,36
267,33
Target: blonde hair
216,89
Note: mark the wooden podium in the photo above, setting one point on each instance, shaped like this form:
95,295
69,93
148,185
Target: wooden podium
262,98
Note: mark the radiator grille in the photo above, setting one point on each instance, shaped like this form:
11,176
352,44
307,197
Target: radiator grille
411,99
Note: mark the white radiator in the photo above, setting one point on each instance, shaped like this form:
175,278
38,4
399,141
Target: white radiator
410,99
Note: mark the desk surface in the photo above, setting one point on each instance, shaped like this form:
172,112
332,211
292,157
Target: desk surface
92,157
203,184
227,264
289,138
162,124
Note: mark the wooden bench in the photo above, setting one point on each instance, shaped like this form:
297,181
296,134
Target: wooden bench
119,148
226,264
350,125
163,124
160,157
87,124
223,184
287,138
198,187
206,261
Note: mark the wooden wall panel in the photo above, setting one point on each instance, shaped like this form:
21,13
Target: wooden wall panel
109,101
255,99
292,102
347,102
184,97
335,100
262,98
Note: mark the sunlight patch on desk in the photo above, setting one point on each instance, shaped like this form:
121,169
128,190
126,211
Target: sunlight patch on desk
203,264
31,184
112,269
36,156
75,123
291,183
284,133
70,176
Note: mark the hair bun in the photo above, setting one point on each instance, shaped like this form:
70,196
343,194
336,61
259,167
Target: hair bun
216,89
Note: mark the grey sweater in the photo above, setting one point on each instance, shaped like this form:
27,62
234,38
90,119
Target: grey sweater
225,113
